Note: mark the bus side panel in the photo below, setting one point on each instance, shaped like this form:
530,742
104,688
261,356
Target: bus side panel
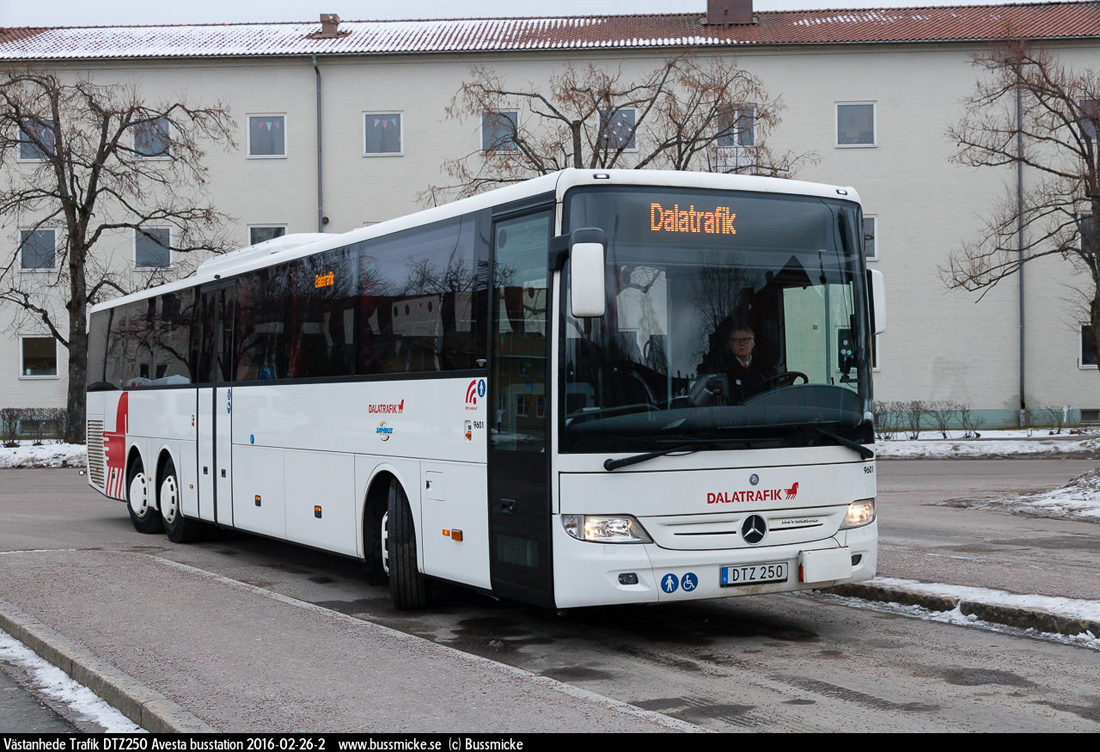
259,498
164,419
107,419
455,526
205,454
320,500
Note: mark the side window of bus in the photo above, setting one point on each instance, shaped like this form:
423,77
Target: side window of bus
144,343
172,337
261,337
322,312
423,299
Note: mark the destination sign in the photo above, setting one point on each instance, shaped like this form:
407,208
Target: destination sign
675,218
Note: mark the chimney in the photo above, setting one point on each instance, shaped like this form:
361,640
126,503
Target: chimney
330,24
726,12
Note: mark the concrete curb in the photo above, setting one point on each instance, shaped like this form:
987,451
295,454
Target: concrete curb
1023,618
149,709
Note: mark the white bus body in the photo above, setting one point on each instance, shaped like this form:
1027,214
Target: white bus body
417,394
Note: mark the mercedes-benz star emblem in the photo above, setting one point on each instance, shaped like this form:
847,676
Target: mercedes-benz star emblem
754,528
754,479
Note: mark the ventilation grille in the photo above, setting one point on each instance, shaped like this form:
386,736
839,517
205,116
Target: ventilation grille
95,453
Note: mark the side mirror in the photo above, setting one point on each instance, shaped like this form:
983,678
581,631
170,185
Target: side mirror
587,247
877,288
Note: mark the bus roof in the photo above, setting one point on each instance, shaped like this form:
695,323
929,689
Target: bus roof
298,245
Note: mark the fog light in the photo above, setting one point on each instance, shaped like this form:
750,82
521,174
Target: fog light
628,578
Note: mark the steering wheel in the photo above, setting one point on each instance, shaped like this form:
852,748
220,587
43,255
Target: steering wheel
790,376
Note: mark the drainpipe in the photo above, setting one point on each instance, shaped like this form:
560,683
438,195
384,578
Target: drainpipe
320,189
1020,237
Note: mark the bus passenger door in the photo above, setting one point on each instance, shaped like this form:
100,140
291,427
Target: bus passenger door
218,312
519,470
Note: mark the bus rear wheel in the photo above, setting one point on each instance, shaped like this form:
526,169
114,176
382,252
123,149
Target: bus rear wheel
180,529
408,587
143,513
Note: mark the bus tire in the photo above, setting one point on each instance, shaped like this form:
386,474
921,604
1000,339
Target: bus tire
180,529
408,587
143,512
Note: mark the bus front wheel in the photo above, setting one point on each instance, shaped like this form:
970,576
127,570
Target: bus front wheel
180,529
143,513
408,587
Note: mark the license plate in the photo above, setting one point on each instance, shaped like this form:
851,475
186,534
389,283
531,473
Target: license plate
753,574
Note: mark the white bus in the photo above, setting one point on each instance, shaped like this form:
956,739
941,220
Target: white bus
530,392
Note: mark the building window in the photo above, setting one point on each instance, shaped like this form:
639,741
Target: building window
498,130
619,131
267,135
382,133
151,138
1086,234
37,249
1090,117
152,247
736,142
1088,357
36,140
855,124
737,127
259,234
37,357
870,238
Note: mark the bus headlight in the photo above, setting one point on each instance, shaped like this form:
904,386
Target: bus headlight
620,528
860,513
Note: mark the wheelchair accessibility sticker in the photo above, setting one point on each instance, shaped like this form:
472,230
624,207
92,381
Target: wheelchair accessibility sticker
670,583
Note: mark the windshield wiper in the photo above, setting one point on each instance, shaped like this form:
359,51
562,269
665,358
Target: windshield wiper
634,459
855,446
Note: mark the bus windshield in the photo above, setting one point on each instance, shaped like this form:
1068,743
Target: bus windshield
733,320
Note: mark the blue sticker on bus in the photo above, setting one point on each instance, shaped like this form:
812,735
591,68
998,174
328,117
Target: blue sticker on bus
690,582
670,583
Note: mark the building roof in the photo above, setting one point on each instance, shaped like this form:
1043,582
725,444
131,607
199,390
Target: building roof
1043,21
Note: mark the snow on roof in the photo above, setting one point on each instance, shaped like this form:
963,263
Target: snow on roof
1065,20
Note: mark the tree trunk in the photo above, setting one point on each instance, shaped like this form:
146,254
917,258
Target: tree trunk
78,346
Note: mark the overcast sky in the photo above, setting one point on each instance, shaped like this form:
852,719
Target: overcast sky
115,12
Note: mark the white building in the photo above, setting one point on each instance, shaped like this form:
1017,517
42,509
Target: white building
342,124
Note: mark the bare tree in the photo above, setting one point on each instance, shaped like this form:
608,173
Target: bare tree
1030,111
88,161
684,114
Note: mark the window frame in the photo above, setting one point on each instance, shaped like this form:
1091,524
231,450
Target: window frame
22,359
400,133
513,147
37,269
875,237
134,257
874,124
1081,364
1089,114
733,139
26,143
248,135
283,227
167,135
632,143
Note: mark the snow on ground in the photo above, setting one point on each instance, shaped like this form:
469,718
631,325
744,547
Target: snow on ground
48,680
44,455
